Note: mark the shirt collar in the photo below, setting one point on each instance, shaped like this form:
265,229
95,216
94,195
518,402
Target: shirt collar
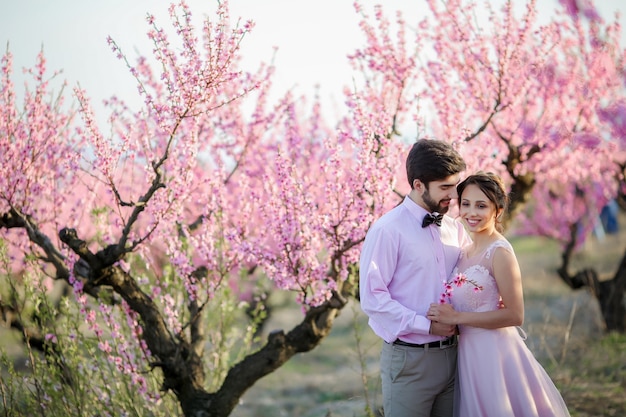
415,209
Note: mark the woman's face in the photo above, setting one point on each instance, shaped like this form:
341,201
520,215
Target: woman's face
476,210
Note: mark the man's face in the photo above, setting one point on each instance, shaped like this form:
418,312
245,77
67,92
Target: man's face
438,194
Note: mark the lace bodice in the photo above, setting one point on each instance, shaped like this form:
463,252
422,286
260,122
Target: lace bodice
479,272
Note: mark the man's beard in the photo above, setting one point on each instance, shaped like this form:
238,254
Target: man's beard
433,205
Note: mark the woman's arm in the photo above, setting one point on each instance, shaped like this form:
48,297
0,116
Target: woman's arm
508,277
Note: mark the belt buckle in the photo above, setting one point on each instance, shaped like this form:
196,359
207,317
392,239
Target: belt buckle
448,342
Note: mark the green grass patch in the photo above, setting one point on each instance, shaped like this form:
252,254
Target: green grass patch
593,382
534,245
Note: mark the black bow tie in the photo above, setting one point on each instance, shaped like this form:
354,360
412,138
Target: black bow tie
430,219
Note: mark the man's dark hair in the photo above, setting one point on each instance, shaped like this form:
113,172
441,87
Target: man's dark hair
432,160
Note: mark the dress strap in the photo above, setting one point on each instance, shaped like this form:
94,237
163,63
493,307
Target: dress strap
500,243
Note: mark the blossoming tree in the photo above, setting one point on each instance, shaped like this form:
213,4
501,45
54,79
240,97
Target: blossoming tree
127,252
209,190
539,103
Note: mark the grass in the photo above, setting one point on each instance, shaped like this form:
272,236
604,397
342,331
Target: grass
593,382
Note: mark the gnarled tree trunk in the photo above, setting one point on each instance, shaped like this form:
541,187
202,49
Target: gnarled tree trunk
182,366
610,293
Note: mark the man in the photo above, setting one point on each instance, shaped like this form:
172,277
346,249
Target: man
407,256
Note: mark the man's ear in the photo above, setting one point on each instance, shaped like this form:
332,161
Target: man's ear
418,186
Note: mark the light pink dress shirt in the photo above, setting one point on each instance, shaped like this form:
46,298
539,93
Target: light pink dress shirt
403,268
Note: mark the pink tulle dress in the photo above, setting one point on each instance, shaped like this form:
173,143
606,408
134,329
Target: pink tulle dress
498,376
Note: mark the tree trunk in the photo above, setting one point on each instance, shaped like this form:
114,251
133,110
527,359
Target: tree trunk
182,367
611,297
280,347
609,293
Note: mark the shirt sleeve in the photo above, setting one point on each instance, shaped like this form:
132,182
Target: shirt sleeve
464,237
388,318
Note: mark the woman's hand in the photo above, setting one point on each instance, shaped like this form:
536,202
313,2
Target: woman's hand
442,313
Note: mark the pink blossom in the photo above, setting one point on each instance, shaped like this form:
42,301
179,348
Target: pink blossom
459,280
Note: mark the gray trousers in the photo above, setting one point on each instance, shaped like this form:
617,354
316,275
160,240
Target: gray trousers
418,382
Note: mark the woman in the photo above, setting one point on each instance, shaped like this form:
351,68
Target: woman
498,376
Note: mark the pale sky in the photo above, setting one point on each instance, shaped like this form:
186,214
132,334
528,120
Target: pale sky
313,37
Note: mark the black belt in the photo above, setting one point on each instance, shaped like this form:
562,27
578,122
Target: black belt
439,343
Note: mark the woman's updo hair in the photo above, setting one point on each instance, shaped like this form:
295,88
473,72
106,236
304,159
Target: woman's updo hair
493,187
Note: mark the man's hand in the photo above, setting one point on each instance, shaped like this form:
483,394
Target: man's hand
441,329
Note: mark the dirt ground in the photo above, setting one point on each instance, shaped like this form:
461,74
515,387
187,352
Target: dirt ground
330,381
